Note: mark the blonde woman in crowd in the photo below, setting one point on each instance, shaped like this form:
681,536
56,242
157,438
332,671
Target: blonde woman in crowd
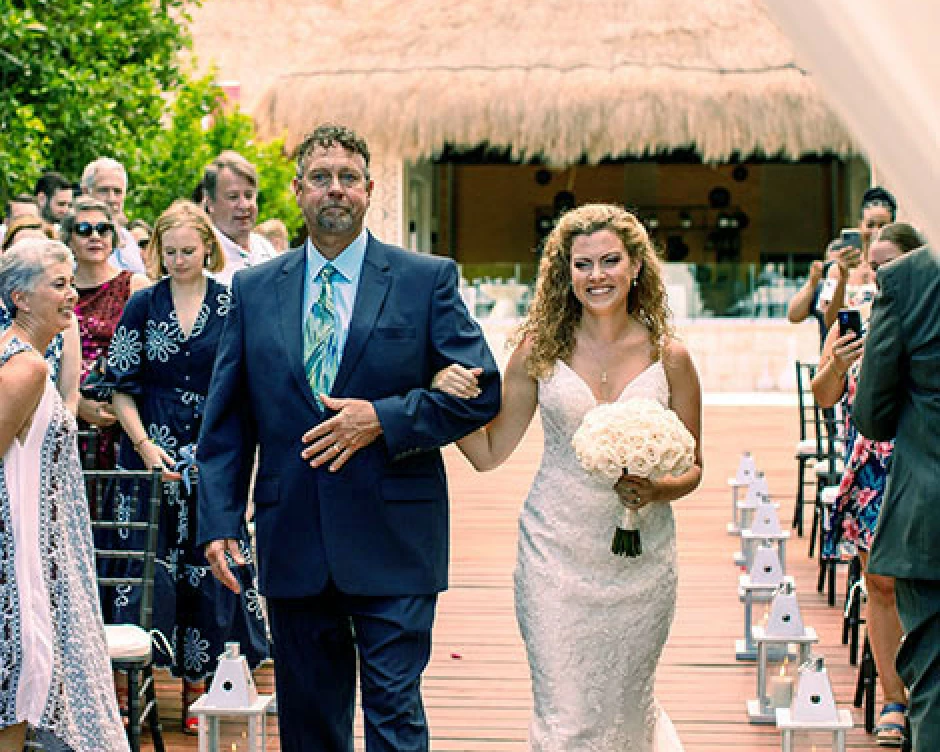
159,361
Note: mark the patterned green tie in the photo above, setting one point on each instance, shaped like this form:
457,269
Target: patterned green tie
321,337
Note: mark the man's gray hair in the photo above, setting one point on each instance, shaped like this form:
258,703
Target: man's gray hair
102,163
23,264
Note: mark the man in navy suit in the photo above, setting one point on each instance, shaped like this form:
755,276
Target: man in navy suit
351,509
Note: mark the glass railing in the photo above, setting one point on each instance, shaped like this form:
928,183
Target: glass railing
731,290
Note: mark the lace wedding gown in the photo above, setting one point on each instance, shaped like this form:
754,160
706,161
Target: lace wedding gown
594,624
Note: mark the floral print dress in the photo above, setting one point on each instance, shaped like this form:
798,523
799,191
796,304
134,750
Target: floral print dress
98,311
854,515
167,373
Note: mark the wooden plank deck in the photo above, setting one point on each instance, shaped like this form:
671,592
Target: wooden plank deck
477,686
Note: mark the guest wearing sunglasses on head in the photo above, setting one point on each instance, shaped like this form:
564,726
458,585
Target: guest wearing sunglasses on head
103,290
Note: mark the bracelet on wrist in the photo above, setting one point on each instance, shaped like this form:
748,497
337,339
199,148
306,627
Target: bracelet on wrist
138,444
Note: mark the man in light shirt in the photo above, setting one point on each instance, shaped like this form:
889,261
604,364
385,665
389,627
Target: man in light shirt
106,180
231,196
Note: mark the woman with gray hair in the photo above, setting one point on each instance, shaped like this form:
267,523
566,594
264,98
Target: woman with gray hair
64,354
103,290
53,657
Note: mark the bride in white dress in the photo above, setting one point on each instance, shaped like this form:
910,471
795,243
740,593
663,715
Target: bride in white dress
594,624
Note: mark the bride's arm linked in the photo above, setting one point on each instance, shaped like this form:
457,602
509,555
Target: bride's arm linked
487,448
685,400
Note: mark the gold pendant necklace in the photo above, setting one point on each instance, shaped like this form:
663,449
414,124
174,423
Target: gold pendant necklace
603,377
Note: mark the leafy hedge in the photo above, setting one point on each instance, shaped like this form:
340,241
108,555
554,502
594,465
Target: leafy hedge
81,79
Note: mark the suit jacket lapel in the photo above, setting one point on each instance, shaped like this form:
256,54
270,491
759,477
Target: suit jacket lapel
370,297
290,298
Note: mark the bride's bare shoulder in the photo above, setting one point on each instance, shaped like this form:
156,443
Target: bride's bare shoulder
677,361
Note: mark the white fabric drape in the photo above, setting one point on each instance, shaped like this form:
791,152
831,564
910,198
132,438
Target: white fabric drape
878,64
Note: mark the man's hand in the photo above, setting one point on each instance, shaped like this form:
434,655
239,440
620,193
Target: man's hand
215,553
335,440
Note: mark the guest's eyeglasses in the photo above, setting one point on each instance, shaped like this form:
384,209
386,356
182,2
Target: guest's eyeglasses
85,229
323,179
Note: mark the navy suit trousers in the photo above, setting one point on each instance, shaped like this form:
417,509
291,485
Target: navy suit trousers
316,643
918,660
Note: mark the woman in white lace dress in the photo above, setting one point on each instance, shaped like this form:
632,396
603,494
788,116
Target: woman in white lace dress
55,676
594,624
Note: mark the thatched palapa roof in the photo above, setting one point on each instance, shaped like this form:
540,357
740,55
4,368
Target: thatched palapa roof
553,77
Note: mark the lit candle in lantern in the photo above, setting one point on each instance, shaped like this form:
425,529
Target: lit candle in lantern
781,689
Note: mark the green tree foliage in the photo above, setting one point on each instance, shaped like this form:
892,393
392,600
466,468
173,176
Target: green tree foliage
81,79
199,125
91,73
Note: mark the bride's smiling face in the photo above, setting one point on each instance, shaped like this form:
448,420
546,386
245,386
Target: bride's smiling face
601,271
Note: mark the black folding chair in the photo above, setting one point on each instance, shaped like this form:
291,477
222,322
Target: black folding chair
865,686
852,618
806,448
126,511
828,469
88,447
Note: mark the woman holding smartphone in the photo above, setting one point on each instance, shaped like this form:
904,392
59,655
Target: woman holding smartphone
861,490
850,282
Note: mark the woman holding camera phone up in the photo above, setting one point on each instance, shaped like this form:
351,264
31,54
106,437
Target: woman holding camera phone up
850,281
861,490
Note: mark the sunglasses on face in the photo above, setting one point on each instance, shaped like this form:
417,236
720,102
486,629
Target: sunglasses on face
85,229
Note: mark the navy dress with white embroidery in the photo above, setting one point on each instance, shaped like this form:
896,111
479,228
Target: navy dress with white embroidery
167,373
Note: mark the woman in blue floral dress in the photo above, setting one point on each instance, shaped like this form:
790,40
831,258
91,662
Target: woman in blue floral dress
855,513
160,361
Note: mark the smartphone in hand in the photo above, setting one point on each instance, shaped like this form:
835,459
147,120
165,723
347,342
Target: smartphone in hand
851,237
850,320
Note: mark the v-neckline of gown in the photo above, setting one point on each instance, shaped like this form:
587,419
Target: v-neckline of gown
173,310
623,391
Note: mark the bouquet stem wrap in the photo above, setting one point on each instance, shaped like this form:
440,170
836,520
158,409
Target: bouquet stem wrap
639,434
627,536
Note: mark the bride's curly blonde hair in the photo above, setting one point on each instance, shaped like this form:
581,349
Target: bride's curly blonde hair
555,313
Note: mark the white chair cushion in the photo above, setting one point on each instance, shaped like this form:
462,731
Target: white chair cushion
806,448
828,495
822,468
127,642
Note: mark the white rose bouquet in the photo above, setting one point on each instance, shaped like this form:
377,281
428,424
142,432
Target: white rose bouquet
640,437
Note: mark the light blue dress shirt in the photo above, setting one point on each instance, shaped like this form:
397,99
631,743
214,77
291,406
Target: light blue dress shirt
345,284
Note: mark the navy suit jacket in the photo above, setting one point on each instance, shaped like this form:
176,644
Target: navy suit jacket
898,397
379,526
